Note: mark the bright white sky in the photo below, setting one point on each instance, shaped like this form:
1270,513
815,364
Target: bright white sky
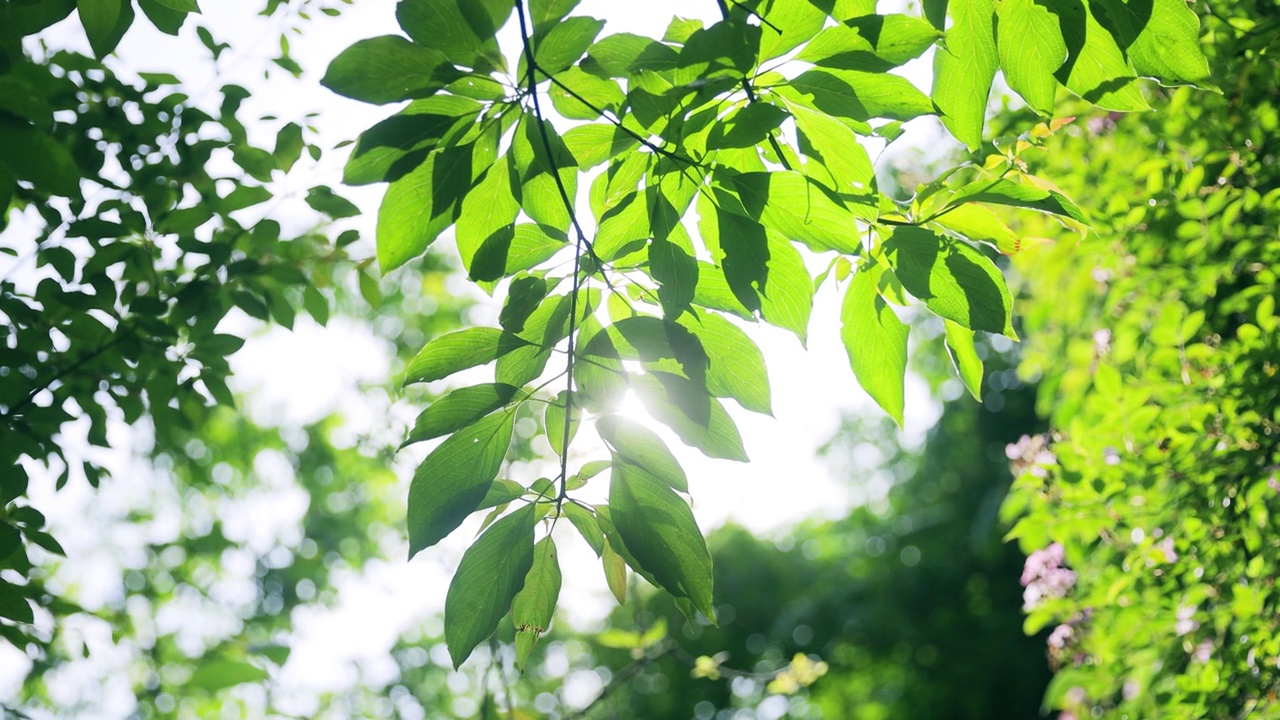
302,375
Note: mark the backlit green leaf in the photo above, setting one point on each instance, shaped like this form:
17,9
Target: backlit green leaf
953,279
874,43
459,409
660,533
565,43
388,69
964,67
533,606
459,350
876,341
1160,37
637,444
736,366
491,573
454,478
1031,50
964,356
463,30
696,417
1096,68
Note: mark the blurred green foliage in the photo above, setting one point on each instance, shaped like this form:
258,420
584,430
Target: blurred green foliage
1156,345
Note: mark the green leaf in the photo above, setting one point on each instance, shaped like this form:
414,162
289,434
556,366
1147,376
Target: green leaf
623,54
534,605
546,12
454,478
487,209
953,279
964,356
491,573
565,43
1031,50
876,341
34,156
458,409
875,43
554,419
289,146
221,673
846,168
697,418
601,378
980,223
745,127
459,350
585,521
964,68
13,605
798,209
524,296
1005,192
181,5
1160,37
634,443
736,366
420,205
858,96
541,197
501,492
166,19
388,69
659,532
392,148
105,23
463,30
1096,68
594,144
323,199
579,95
786,25
615,572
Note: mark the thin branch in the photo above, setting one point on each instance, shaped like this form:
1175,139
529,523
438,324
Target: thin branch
577,256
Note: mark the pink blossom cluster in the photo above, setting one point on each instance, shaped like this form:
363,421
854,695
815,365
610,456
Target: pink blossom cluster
1032,453
1044,577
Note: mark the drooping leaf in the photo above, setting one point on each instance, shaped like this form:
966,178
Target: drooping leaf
876,341
634,443
388,69
579,95
953,279
697,418
524,296
964,68
660,533
105,23
459,409
615,572
964,356
534,605
554,422
798,209
585,521
491,573
454,478
1031,50
487,209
